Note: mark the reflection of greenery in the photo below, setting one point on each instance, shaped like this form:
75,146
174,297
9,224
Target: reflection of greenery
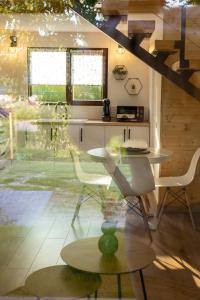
115,144
27,112
54,93
42,6
49,93
87,92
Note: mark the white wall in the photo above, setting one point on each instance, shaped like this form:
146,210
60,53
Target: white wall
13,67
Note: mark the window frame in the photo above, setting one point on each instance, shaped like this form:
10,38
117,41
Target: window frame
68,93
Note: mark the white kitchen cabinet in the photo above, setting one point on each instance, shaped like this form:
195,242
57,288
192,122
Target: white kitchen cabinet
91,137
86,136
74,134
138,132
115,132
125,133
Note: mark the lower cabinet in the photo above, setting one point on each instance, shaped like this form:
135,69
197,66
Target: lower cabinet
73,132
89,136
86,136
124,133
112,133
138,132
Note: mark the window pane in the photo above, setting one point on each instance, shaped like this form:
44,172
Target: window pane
48,67
87,74
87,92
49,93
87,69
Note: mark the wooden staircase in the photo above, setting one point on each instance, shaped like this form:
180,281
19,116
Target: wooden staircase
155,59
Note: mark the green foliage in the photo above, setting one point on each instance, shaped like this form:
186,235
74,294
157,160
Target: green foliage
87,92
194,2
27,112
55,93
42,6
49,93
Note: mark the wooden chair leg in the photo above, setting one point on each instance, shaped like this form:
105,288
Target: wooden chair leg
78,205
145,218
189,209
162,206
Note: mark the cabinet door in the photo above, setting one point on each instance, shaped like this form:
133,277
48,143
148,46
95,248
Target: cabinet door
91,137
74,134
138,132
113,133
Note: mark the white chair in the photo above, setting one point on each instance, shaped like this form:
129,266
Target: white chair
93,185
142,182
178,182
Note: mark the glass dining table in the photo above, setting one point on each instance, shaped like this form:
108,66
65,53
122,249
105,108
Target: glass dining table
112,159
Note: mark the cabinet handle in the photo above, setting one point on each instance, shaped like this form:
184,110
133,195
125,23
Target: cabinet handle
129,134
124,135
51,134
81,135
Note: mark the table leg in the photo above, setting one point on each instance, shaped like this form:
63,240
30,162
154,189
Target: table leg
96,294
119,288
143,285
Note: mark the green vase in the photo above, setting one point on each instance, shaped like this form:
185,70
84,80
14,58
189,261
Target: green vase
108,243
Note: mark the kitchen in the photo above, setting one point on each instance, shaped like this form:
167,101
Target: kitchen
45,125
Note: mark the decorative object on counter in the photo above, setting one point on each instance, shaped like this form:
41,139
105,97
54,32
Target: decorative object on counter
133,86
120,72
106,110
108,242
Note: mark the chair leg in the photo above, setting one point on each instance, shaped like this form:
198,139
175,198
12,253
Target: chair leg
146,203
145,218
78,205
162,206
189,208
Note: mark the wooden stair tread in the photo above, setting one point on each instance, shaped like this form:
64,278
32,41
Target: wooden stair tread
158,46
132,6
194,65
141,26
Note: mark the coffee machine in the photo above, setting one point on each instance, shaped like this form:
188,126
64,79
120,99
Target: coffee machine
106,116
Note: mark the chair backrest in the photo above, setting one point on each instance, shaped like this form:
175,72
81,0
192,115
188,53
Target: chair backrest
142,178
80,174
189,176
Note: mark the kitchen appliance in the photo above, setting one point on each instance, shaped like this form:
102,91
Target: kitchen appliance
106,110
130,113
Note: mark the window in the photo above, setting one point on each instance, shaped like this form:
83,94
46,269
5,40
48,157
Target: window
78,76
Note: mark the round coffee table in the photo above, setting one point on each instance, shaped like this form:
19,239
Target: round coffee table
62,281
131,256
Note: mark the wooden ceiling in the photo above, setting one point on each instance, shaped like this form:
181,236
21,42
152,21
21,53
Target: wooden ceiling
123,7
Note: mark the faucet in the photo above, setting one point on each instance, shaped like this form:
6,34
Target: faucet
59,103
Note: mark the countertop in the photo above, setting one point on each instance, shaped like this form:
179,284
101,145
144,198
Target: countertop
88,122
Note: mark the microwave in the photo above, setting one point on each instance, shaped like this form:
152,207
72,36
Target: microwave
130,113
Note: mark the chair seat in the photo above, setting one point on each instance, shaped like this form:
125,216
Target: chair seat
173,181
96,179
